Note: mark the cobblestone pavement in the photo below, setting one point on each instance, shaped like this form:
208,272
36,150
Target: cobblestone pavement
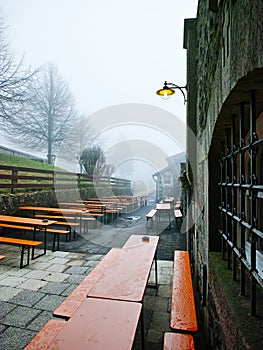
29,295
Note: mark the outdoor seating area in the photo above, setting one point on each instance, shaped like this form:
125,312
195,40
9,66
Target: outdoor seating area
111,298
64,220
164,213
113,295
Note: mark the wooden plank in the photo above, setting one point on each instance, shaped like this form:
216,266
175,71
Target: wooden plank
100,324
175,341
151,213
46,335
19,242
72,302
127,275
183,312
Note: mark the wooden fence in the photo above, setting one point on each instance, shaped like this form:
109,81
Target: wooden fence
15,178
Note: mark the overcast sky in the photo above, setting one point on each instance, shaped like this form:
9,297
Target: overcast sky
110,52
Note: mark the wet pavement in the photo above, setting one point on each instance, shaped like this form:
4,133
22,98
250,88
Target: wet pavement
29,295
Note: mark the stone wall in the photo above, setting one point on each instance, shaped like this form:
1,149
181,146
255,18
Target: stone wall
9,204
228,47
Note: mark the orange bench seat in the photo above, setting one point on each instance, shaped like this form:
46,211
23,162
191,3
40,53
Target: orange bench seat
175,341
150,215
183,312
56,232
24,244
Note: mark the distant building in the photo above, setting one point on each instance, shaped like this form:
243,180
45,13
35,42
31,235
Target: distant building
168,179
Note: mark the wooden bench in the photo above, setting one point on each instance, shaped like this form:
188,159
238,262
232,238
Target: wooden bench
178,205
64,221
178,216
46,335
86,221
23,244
56,232
183,312
175,341
150,216
72,302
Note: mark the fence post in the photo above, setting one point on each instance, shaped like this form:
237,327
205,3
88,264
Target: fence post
14,179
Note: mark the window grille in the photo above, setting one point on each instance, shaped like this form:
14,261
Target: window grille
241,188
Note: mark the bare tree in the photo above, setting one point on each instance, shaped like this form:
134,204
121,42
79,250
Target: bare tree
14,81
81,136
49,115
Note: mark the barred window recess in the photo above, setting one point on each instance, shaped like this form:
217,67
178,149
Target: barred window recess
241,205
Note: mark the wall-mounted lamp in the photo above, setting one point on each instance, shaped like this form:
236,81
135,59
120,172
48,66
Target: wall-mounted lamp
169,89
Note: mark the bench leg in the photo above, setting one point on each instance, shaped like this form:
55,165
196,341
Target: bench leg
142,328
22,256
156,273
55,238
54,242
45,245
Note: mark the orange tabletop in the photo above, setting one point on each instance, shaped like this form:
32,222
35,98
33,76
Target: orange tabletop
29,222
53,210
25,221
163,207
99,324
135,240
78,213
127,275
168,200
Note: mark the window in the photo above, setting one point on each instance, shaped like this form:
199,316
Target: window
241,189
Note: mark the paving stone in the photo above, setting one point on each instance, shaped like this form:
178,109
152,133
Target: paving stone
165,291
60,260
15,338
69,290
154,337
95,257
12,262
41,265
12,281
160,320
75,279
77,270
2,329
54,288
21,316
92,263
40,321
5,308
17,272
156,303
32,284
164,279
36,274
77,256
56,268
56,277
7,293
76,262
27,298
49,302
60,253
